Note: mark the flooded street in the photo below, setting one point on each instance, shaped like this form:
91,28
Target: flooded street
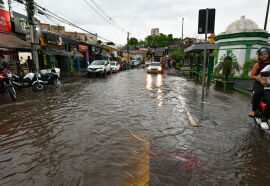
130,129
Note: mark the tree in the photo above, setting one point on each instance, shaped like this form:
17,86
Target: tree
177,55
133,41
160,41
110,43
228,67
99,42
248,67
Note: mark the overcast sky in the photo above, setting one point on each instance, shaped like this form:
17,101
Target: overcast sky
139,16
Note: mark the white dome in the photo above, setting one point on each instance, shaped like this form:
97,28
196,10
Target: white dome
242,25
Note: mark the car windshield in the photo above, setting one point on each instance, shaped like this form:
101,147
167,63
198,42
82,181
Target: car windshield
98,62
154,64
113,63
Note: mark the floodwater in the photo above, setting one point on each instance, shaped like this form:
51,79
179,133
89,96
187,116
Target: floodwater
130,129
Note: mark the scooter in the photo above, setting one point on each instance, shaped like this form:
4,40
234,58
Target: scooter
6,85
261,108
52,78
38,84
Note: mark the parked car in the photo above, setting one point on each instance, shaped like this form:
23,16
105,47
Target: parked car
115,66
99,67
154,67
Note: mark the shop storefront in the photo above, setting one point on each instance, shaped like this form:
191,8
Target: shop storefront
58,51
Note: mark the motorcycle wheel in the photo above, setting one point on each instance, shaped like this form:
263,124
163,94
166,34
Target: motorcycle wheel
38,87
12,93
58,82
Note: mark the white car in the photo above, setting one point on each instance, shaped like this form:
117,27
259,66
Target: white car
115,66
154,67
147,63
97,67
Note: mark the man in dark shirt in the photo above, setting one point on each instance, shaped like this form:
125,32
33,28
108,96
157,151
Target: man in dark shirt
30,64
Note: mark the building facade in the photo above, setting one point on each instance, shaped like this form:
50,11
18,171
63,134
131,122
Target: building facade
240,42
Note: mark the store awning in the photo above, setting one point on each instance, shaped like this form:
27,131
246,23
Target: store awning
105,55
200,47
78,54
56,52
9,40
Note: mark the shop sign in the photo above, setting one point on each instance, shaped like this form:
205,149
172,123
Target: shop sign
93,49
5,24
83,48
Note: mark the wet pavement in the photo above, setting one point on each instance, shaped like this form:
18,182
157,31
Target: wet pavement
130,129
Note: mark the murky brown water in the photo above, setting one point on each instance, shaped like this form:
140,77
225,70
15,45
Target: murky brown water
130,129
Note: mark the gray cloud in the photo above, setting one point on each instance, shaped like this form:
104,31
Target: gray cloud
139,16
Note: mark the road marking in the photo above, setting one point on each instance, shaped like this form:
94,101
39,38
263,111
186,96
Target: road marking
191,119
140,175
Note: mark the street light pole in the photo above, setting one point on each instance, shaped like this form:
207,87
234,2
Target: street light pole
128,45
266,17
205,53
182,29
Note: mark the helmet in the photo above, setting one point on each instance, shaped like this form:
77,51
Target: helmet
264,49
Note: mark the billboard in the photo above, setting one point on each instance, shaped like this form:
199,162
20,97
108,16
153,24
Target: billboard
5,24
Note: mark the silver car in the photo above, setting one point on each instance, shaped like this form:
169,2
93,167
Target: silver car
115,66
154,67
101,67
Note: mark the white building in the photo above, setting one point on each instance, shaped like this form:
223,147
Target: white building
155,32
240,41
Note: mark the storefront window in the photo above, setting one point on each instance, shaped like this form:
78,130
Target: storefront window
53,61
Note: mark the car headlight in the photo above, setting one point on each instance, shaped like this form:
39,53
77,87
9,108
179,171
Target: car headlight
148,68
159,68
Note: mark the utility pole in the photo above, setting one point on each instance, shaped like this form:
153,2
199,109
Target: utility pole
128,46
30,8
183,28
266,17
205,52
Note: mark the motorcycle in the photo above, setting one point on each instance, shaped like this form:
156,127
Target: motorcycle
21,81
52,78
6,85
38,84
261,108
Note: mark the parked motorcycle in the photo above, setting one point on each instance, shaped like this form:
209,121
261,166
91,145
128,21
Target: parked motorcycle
38,84
52,78
6,85
21,81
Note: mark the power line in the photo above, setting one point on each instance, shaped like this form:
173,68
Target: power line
104,17
109,17
49,14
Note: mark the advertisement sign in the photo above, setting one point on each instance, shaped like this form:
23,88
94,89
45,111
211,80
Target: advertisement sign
5,24
83,48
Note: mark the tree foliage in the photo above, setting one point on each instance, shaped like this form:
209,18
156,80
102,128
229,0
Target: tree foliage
99,42
133,41
160,41
110,43
248,66
228,67
177,55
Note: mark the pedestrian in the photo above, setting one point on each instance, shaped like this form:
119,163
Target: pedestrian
19,66
30,64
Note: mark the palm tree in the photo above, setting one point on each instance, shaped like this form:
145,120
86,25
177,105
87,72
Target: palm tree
228,67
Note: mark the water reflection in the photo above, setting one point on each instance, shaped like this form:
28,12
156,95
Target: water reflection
157,90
